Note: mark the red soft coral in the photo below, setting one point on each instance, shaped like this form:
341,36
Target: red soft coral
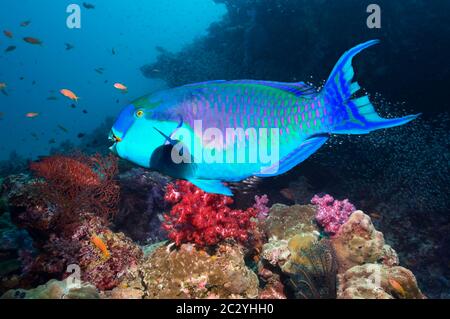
204,219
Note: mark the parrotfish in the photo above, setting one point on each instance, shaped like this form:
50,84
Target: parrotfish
300,119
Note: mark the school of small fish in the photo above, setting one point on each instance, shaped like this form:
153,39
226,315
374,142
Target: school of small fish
70,94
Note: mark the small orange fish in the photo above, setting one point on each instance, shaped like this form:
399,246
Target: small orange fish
31,40
69,94
121,87
8,34
397,287
100,244
2,85
31,115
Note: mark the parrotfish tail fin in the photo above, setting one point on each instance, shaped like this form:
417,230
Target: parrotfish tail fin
353,115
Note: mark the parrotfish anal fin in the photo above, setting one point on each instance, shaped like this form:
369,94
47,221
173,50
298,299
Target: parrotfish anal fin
306,149
212,186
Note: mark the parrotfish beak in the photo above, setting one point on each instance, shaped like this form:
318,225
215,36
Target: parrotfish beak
114,138
121,126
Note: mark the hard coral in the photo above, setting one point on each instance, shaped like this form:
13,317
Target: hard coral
285,222
191,272
55,289
105,271
375,281
202,218
358,242
331,213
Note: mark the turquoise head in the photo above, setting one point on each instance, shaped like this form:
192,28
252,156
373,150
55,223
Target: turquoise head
136,134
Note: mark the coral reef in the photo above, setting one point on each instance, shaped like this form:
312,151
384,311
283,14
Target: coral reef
141,205
358,242
214,250
191,272
15,245
273,287
261,206
105,271
55,289
204,219
77,184
64,210
314,270
311,263
285,221
376,281
331,213
276,252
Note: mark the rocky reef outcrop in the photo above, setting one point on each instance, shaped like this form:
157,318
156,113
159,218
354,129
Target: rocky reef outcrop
378,281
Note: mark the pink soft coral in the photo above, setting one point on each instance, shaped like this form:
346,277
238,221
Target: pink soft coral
202,218
331,213
261,206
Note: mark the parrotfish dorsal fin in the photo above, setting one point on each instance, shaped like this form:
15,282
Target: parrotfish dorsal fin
299,89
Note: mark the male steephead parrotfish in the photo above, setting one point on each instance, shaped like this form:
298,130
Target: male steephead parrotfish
226,131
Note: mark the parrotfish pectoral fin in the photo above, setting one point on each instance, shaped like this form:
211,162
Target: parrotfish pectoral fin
354,115
212,186
168,139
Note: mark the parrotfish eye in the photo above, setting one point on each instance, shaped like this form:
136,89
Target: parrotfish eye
139,113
